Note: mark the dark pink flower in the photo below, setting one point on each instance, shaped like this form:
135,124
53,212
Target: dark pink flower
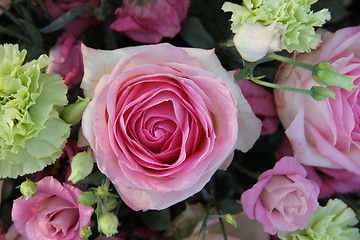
67,59
151,22
57,8
263,104
52,214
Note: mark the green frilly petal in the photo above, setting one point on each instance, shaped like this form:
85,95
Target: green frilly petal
32,134
335,221
293,17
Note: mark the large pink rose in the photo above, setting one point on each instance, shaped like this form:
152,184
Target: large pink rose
324,133
162,120
67,60
283,198
58,8
53,213
151,22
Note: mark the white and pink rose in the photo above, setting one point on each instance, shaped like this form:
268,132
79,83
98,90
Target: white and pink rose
162,120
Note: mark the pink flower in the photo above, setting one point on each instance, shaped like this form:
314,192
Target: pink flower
263,105
53,213
283,198
325,133
58,8
162,120
151,22
67,59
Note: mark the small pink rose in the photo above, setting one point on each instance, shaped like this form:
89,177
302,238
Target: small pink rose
58,8
325,133
263,104
283,198
67,59
162,120
151,22
52,214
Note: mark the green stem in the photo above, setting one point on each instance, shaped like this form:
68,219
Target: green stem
245,171
12,17
291,61
223,228
273,85
44,8
14,34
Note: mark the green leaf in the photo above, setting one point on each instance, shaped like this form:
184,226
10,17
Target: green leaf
61,21
194,33
156,220
243,74
96,179
230,206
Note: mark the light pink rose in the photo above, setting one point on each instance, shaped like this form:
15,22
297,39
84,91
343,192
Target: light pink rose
58,8
162,120
263,105
53,213
283,198
151,22
67,60
324,133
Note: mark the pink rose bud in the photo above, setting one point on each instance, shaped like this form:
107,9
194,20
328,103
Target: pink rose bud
283,198
67,59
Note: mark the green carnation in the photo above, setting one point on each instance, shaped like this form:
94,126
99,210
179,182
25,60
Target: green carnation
32,134
293,18
335,221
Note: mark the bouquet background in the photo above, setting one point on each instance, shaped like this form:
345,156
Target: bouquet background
128,203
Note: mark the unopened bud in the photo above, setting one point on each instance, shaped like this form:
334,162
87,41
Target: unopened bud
28,189
72,113
321,93
108,224
87,199
325,73
81,166
111,203
230,219
101,192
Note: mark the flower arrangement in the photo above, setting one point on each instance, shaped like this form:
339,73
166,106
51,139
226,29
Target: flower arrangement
193,119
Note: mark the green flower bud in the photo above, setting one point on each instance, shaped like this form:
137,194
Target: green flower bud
32,135
230,219
28,189
325,73
334,221
108,224
111,203
85,232
87,198
102,192
81,166
321,93
72,113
